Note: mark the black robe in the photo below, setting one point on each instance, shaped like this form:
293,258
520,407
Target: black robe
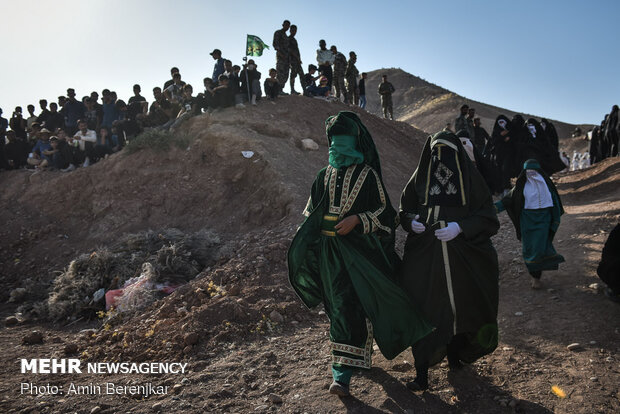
455,283
551,132
609,267
504,148
537,146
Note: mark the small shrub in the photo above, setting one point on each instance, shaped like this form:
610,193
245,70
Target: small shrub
157,140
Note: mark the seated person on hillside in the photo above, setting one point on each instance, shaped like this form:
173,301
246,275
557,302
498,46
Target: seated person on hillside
190,106
318,91
128,117
272,87
86,139
207,98
176,89
310,79
223,95
16,151
60,154
38,151
250,76
159,112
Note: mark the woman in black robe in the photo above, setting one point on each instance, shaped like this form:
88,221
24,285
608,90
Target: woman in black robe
504,147
449,265
551,132
537,146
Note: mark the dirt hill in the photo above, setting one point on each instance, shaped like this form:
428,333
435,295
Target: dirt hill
429,107
250,344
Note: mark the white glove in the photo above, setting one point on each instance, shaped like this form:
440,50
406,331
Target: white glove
416,226
449,232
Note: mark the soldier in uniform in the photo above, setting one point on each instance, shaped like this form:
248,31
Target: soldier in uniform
280,44
340,68
351,74
295,61
385,90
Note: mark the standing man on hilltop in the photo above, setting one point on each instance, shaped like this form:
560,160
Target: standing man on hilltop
340,68
461,121
386,89
218,68
281,45
295,61
351,74
325,59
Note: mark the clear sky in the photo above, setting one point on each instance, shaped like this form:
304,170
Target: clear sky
554,58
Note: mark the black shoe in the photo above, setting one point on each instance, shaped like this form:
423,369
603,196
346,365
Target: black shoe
339,389
294,92
418,384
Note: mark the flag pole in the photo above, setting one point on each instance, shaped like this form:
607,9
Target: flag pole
247,80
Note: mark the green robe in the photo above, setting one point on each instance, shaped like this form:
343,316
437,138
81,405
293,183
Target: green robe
352,275
454,282
535,228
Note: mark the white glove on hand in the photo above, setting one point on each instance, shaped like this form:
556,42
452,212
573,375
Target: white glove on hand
449,232
416,226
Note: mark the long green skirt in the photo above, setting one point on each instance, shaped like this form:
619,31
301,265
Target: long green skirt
536,240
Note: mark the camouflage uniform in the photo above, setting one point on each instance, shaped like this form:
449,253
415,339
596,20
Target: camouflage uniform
280,44
340,67
295,63
351,75
385,90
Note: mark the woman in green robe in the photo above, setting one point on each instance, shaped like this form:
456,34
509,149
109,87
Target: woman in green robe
343,255
450,267
535,208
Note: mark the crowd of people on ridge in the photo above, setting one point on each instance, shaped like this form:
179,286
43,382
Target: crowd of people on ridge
78,132
499,156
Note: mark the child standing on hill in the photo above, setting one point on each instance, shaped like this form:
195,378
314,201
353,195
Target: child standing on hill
534,206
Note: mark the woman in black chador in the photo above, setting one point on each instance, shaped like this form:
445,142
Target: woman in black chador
505,150
450,266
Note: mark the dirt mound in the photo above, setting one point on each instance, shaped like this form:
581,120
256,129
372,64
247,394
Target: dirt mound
429,107
52,217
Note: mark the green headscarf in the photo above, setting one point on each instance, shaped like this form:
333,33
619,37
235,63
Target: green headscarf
343,151
349,123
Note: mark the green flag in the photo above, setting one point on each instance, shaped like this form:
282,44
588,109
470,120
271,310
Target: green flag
255,46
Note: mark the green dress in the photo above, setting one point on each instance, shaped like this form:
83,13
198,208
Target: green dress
455,282
352,275
535,228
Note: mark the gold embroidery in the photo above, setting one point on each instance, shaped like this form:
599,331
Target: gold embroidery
329,217
349,349
308,207
365,222
332,191
328,233
346,184
355,191
374,216
366,352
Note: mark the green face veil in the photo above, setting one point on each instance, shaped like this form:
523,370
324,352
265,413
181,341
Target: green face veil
349,123
343,151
